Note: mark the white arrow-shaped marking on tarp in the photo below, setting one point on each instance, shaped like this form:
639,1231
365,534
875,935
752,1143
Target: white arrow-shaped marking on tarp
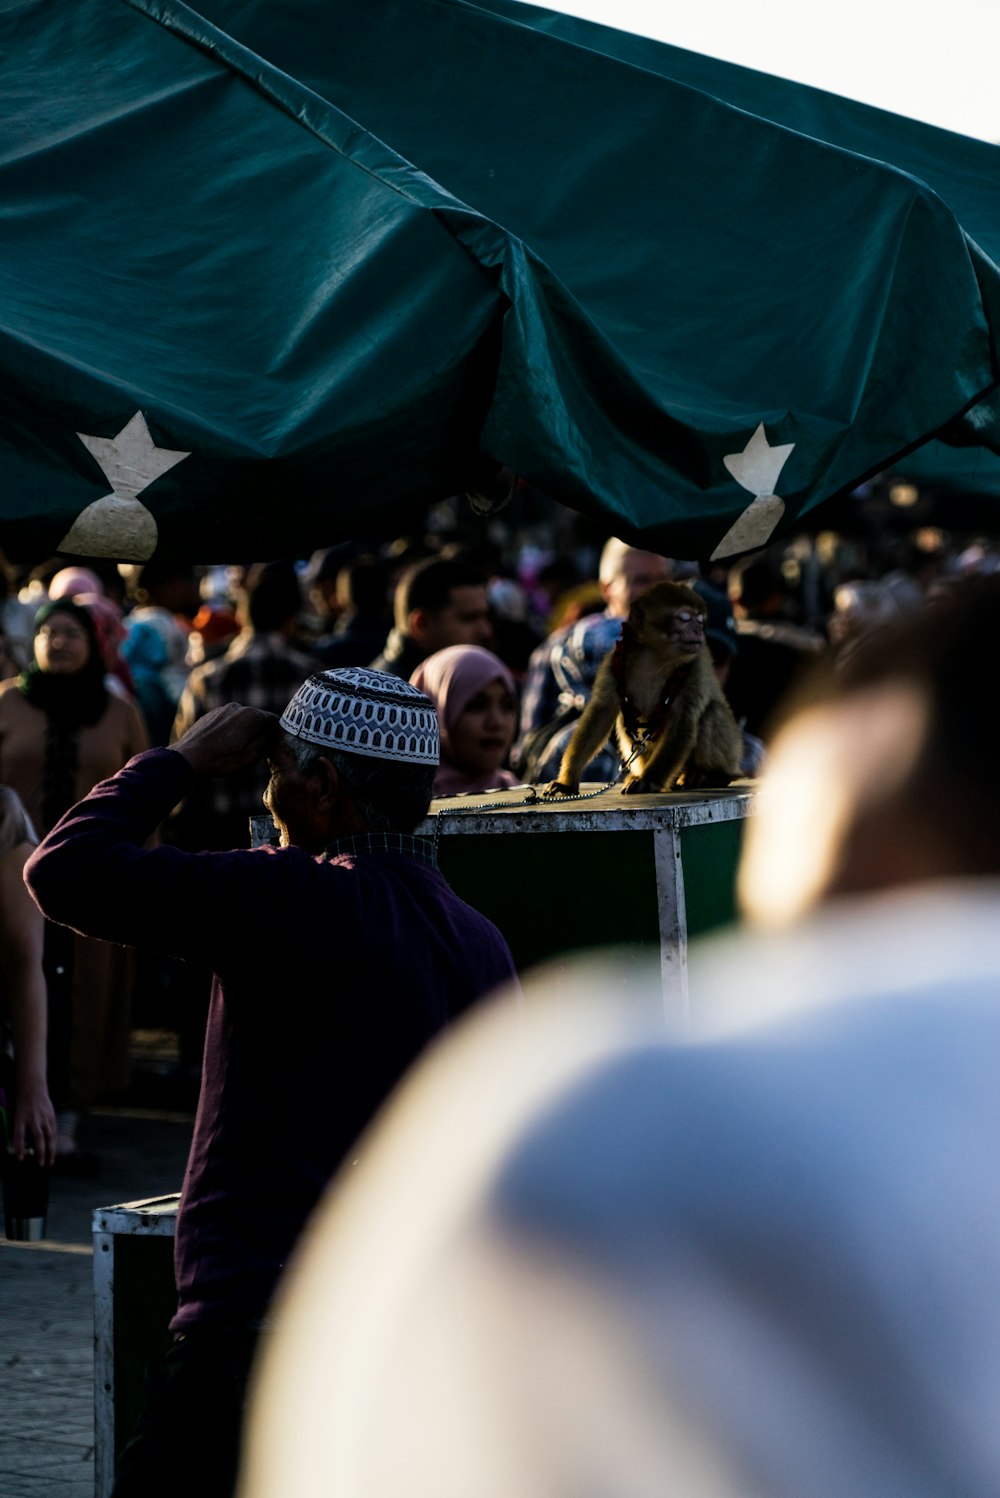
117,525
756,468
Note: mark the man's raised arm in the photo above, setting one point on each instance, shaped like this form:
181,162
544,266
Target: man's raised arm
92,871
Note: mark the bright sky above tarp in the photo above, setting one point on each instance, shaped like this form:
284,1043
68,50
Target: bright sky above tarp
921,61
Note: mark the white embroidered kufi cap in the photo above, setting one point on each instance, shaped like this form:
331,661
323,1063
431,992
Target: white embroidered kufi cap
365,712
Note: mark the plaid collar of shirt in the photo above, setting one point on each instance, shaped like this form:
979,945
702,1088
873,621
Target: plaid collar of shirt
420,848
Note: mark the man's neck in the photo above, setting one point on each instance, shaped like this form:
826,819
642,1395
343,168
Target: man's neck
410,846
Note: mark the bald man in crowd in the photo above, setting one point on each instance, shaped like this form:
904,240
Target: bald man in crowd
562,669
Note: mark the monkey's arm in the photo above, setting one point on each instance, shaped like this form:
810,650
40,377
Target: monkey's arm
718,754
590,734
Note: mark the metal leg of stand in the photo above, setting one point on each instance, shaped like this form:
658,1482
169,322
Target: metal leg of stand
673,927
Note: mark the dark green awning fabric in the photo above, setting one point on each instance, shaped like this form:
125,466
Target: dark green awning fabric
276,273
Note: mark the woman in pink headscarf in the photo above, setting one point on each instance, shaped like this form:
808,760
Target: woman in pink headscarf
107,617
70,582
476,700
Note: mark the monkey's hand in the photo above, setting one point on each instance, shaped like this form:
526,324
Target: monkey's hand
558,788
637,786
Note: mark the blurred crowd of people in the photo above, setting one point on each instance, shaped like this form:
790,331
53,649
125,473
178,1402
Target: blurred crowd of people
504,631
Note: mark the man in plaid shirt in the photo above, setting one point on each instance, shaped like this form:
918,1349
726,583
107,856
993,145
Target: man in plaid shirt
261,668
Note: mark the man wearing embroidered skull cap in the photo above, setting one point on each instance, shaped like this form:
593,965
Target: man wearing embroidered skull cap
337,957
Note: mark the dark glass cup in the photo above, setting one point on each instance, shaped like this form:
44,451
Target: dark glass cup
25,1196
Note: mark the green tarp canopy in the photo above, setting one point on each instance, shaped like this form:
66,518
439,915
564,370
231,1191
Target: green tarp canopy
964,172
274,274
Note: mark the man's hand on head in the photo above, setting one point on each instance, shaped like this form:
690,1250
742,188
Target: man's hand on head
228,738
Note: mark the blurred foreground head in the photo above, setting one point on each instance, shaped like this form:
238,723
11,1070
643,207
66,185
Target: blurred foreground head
582,1260
884,775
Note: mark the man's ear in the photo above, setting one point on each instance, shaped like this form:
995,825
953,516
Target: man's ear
328,776
417,624
335,812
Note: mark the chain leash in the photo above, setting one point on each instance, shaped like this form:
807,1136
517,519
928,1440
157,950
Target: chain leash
532,798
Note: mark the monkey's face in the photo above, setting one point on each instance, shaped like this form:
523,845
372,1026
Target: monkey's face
670,617
688,630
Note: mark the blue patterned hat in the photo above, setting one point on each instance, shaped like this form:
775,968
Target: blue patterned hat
365,712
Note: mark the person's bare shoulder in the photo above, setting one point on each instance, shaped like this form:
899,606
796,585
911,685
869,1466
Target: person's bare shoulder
11,700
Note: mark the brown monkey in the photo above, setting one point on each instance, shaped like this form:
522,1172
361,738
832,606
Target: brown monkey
659,692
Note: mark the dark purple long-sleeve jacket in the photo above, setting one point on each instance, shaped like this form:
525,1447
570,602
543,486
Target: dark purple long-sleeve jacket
330,978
